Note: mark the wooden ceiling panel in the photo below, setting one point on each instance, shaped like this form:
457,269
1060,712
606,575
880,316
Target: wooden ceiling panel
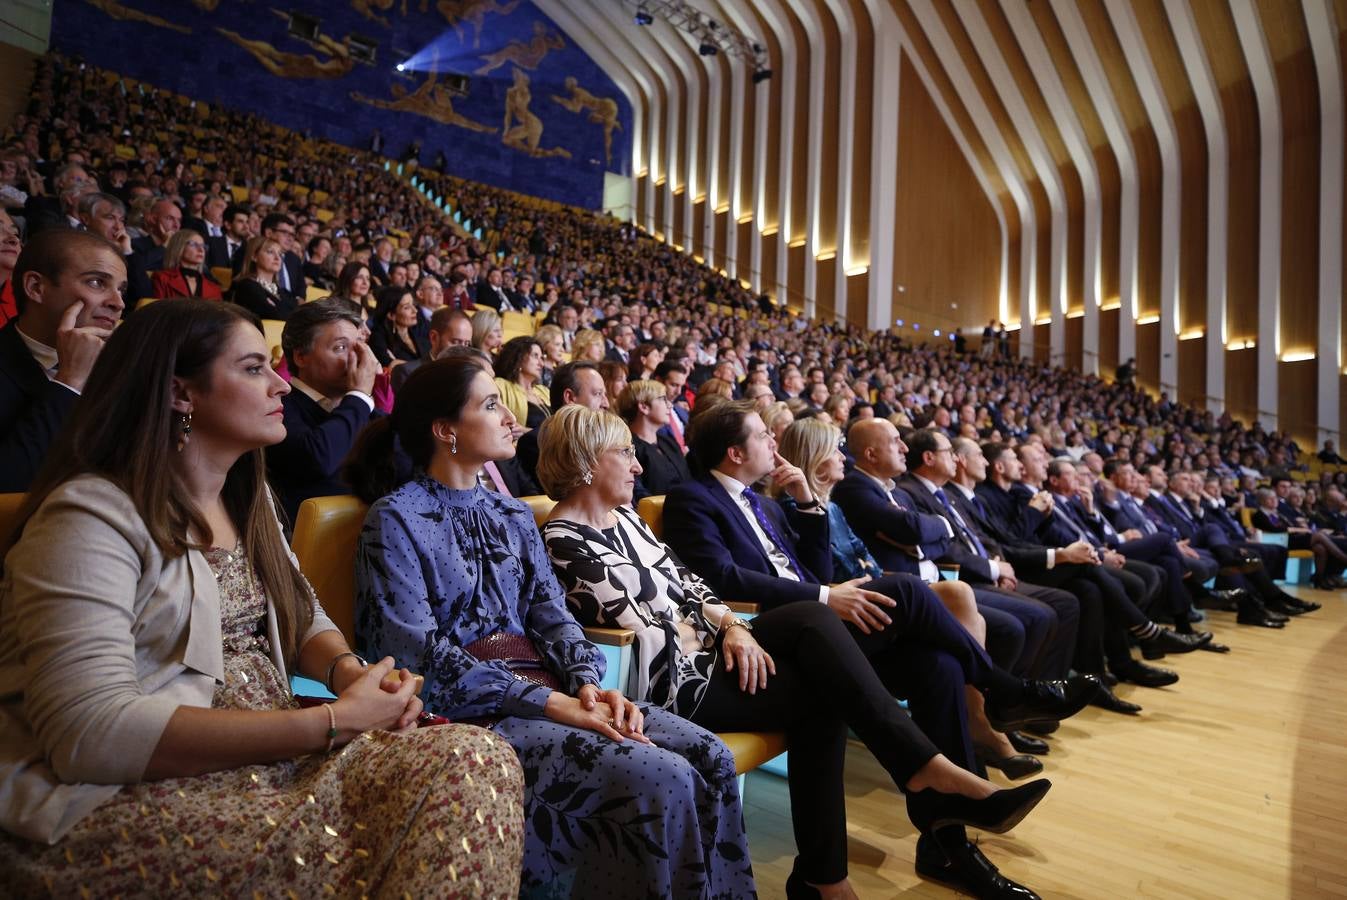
1289,42
1024,80
1069,73
1115,66
983,83
921,46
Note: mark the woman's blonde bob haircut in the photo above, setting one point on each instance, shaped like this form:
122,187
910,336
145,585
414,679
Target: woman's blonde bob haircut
808,443
570,444
638,392
582,341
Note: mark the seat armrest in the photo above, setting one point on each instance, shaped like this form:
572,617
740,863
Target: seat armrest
751,609
613,637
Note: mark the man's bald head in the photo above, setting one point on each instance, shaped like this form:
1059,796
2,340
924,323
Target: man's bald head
877,447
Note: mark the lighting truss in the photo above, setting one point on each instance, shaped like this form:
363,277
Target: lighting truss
710,35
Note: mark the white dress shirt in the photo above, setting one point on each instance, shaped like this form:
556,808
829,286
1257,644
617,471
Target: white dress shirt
327,403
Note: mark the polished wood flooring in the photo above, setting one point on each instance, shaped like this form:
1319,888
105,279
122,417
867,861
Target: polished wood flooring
1231,784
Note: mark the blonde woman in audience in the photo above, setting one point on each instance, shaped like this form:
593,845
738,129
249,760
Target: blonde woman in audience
257,288
717,387
644,406
487,333
553,342
794,668
777,417
150,614
184,273
588,344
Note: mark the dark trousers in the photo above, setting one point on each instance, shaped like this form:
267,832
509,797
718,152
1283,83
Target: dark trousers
1159,551
1036,620
1076,580
823,684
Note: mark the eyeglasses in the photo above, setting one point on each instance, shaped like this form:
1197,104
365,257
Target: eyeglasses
196,244
627,453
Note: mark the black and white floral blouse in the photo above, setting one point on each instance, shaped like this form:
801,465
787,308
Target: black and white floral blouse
624,577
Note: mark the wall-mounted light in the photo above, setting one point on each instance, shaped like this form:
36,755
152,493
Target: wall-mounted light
1195,334
1148,320
1297,355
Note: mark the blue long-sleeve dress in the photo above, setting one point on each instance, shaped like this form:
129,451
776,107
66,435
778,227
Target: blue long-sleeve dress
438,569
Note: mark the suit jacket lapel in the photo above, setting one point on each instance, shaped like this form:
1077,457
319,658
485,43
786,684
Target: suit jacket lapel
735,516
26,370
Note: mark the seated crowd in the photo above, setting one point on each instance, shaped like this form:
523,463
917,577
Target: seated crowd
992,541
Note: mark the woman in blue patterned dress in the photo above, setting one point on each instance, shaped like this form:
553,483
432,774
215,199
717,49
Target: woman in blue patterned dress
621,799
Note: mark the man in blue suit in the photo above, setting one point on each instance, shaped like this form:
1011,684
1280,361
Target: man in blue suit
746,547
332,374
904,538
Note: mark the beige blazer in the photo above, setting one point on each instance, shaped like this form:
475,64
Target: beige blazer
101,640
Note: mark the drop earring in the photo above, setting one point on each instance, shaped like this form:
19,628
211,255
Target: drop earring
453,443
184,431
587,478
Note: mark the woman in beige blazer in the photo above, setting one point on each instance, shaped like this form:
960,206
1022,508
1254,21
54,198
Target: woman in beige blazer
150,613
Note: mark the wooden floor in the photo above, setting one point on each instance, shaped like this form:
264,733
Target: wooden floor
1231,784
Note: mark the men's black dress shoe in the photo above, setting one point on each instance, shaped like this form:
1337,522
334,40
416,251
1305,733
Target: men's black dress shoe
1108,678
1257,615
1110,701
1213,647
963,867
1146,676
931,810
1280,606
1013,767
1043,700
1027,743
1167,641
1227,601
1305,606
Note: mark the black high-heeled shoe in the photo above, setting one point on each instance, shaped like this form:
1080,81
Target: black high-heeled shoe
998,813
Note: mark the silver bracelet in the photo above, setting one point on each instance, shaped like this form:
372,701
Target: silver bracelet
332,667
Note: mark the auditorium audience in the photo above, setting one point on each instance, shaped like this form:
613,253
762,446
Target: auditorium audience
454,580
794,668
151,615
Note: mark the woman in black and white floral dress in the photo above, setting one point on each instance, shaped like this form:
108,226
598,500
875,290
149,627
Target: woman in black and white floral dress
696,658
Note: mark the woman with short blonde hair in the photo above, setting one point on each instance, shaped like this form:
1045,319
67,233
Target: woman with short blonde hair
777,418
553,341
636,393
486,331
588,344
716,386
585,439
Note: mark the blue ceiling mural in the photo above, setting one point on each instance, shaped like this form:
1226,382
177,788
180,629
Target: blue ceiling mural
495,86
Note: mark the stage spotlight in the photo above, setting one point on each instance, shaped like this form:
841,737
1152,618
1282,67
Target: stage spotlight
400,67
761,75
708,49
644,18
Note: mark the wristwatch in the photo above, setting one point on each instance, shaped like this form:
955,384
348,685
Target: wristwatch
737,622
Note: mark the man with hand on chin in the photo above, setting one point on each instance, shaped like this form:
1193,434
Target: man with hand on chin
330,401
68,288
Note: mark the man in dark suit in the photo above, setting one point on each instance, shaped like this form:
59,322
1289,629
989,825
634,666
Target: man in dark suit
1079,566
904,538
491,292
43,212
1048,614
577,382
446,328
226,251
1073,516
68,290
621,342
381,262
162,221
332,377
746,547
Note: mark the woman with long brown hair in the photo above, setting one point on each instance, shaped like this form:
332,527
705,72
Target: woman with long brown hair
149,614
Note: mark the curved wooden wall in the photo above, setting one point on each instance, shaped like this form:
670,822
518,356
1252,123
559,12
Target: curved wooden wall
1158,178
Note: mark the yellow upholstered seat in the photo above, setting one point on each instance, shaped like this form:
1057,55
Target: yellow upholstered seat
651,509
326,532
224,275
541,506
521,323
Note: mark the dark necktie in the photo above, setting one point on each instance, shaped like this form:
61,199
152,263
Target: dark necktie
1064,509
1139,514
965,532
770,530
